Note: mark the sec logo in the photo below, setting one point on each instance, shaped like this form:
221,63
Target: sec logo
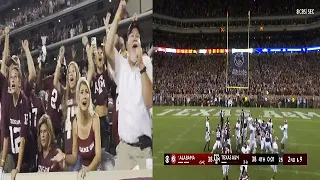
238,59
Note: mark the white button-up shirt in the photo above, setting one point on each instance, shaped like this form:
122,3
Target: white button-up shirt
134,118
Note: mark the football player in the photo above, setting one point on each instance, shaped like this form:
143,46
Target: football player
268,141
207,136
217,144
225,168
244,129
237,132
275,150
253,143
221,117
245,150
244,174
270,125
284,129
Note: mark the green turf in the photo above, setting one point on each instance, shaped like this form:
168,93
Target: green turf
184,133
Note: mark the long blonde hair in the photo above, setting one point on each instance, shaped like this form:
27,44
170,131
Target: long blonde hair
65,97
83,80
45,119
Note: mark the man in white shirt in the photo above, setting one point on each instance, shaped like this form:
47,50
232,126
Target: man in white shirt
133,77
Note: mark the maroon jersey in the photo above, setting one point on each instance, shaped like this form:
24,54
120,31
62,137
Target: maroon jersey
45,163
4,89
100,88
54,100
87,148
3,86
37,108
68,122
15,123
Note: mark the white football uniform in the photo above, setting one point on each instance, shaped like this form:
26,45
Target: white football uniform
262,138
207,136
217,144
275,150
250,120
225,168
253,143
244,129
284,129
270,126
238,133
244,151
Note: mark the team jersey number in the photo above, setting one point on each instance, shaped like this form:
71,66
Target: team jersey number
54,98
35,114
68,125
15,142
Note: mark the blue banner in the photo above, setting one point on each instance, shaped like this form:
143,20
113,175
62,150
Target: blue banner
238,70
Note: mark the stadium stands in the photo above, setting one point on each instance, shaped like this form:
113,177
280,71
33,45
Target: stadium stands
22,15
201,78
218,8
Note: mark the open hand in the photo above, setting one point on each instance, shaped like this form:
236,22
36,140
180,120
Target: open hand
85,40
59,157
83,172
25,44
135,17
61,52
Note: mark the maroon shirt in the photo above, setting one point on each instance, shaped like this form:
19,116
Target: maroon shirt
37,108
4,92
68,122
15,123
87,148
100,88
45,163
3,86
54,100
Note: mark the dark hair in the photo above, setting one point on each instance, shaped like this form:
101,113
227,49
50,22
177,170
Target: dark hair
133,25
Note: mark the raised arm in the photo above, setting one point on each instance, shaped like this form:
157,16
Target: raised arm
5,53
31,68
56,82
109,47
91,70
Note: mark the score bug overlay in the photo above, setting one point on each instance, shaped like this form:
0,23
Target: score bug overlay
234,159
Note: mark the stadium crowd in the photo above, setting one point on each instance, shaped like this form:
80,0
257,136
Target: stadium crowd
208,8
63,118
236,40
33,12
201,80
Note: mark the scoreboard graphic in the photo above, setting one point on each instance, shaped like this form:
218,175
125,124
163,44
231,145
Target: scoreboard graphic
235,159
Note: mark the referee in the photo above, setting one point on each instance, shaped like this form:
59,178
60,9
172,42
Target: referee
133,77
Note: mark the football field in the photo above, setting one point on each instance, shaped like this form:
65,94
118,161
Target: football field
182,130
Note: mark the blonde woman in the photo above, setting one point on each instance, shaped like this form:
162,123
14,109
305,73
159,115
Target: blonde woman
68,103
86,133
46,146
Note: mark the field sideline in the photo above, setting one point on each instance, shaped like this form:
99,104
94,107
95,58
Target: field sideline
182,130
